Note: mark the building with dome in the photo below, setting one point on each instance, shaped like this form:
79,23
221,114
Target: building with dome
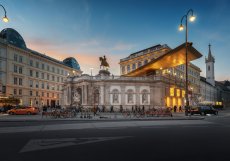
35,78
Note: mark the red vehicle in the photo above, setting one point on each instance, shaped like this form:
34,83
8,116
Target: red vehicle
23,111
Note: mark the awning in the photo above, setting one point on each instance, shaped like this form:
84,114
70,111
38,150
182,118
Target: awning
172,58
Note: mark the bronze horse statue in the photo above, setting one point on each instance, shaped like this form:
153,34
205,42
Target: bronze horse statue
104,63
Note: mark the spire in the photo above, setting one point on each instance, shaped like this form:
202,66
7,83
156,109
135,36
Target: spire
210,57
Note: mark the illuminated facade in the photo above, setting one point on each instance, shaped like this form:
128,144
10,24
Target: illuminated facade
172,76
142,86
34,78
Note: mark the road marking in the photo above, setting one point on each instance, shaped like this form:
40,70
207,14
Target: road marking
42,144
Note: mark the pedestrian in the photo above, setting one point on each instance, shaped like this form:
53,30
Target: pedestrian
103,108
132,109
143,108
174,108
121,108
111,109
180,110
94,111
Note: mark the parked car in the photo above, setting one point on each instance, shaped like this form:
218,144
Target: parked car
203,110
5,108
23,111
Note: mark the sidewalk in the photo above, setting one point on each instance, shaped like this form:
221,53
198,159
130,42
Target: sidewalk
98,117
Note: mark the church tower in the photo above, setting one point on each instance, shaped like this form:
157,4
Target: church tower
210,60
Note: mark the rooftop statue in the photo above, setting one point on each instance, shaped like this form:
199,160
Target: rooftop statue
104,63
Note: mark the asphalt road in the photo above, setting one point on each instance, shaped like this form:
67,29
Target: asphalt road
187,140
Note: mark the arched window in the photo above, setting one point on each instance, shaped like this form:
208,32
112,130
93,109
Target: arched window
144,96
128,68
208,68
134,66
115,94
130,96
139,64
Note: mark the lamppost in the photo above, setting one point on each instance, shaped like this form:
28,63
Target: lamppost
91,71
181,27
5,18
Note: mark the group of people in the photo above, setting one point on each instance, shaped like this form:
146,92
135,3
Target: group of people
175,108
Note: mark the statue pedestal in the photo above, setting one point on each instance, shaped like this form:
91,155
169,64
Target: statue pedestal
104,73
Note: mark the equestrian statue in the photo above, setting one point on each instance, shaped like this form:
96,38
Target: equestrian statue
104,63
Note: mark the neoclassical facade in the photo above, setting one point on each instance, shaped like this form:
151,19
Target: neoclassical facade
108,90
35,78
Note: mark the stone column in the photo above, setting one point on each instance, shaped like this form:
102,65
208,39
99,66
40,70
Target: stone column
123,95
102,94
138,95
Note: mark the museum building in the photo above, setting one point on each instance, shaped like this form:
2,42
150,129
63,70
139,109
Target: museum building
151,77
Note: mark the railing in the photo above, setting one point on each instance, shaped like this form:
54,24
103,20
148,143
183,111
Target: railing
134,55
112,77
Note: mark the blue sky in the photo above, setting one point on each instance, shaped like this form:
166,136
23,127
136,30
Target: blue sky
87,29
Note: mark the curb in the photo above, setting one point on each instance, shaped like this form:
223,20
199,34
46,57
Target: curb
103,119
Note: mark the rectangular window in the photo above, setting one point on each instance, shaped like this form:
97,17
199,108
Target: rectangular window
178,92
43,85
37,64
42,94
47,94
20,81
48,76
20,92
31,83
53,78
31,93
61,79
20,59
37,84
31,62
171,91
183,93
36,93
48,67
15,69
20,70
58,79
15,57
48,86
43,66
37,74
58,71
53,87
58,87
15,80
61,72
15,91
43,76
31,73
53,70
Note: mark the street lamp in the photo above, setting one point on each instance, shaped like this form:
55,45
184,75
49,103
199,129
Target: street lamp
181,27
91,71
5,18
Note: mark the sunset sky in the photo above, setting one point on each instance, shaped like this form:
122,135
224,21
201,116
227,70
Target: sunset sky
88,29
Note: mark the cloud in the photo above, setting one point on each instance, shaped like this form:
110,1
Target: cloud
86,52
